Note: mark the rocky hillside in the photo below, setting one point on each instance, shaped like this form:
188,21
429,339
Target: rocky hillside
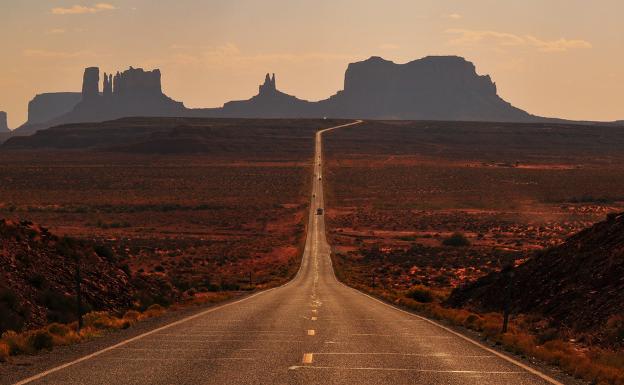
37,271
579,285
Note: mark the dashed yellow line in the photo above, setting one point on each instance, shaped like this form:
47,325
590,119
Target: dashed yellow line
314,318
311,332
307,358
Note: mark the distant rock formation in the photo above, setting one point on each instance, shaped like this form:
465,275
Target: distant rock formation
107,88
431,88
269,103
4,127
90,83
45,107
269,85
134,92
136,82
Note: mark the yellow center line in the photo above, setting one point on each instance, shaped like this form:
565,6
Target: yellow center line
314,318
311,332
307,358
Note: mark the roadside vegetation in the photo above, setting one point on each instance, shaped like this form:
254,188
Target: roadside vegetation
95,325
591,363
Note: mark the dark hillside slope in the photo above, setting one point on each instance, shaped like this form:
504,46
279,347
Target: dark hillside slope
221,137
37,284
577,285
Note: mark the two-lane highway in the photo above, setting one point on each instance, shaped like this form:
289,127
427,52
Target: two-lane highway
313,330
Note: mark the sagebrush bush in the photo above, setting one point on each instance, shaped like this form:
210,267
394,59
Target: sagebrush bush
132,315
615,328
154,311
420,294
456,240
4,351
40,339
58,329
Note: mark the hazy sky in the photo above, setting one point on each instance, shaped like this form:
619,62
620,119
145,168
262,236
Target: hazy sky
561,58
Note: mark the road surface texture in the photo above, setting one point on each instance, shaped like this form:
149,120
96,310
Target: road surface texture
313,330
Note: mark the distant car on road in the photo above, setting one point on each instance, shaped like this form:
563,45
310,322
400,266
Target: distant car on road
319,211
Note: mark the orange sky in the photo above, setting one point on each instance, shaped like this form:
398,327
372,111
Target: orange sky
558,58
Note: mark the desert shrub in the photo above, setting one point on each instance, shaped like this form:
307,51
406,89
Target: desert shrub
228,286
37,281
4,351
40,339
103,320
154,311
23,258
12,314
492,324
126,269
213,287
615,328
613,359
132,315
442,280
472,321
67,247
105,252
420,294
456,240
58,329
17,343
181,283
61,308
547,335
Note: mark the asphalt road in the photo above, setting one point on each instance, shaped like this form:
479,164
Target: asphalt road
313,330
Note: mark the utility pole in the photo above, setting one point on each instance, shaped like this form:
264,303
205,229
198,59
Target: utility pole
78,293
373,279
508,298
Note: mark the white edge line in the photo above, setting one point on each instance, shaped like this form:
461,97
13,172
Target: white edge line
140,336
373,368
466,338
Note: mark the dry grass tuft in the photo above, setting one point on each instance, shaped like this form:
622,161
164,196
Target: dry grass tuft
30,342
597,366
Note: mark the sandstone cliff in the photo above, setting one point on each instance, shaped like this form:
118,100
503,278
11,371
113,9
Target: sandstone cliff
3,122
134,92
44,107
432,88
